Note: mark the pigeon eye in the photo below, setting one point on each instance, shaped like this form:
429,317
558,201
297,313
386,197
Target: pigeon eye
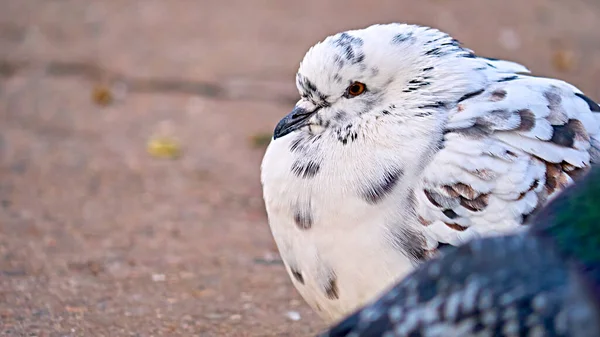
356,89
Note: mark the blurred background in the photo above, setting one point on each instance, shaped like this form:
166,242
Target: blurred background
131,136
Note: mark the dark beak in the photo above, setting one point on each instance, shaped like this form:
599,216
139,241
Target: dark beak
293,121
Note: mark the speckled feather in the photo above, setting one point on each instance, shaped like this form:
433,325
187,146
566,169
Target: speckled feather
442,147
528,284
507,150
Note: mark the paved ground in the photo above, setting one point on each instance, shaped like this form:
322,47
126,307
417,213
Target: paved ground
99,238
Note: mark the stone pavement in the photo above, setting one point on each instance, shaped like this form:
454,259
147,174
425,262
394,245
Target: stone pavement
100,238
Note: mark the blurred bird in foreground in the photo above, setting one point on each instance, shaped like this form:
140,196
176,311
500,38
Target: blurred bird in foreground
403,140
545,282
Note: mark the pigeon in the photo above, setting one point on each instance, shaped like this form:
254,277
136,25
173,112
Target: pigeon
542,282
404,141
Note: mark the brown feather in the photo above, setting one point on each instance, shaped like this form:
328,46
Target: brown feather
476,205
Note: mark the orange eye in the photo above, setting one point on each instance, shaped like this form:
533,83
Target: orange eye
356,89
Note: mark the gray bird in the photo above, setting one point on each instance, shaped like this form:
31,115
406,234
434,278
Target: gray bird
404,140
544,282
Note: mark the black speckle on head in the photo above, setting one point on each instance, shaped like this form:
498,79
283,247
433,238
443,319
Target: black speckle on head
350,48
322,100
453,42
410,243
374,71
435,105
389,109
297,275
359,58
423,114
349,53
337,78
591,104
337,59
437,51
331,289
318,119
506,79
305,84
470,95
340,115
346,134
436,40
305,168
346,39
309,91
383,186
303,217
348,137
401,38
416,84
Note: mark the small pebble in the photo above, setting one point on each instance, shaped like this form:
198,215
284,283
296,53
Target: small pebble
269,258
563,60
509,39
293,315
159,277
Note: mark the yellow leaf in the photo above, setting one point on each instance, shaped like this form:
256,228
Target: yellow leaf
164,148
102,95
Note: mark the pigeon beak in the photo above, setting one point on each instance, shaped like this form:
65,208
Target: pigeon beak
293,121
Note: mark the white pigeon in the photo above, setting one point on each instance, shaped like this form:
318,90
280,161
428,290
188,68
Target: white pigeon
404,140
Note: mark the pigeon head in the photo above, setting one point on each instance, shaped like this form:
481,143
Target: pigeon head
380,74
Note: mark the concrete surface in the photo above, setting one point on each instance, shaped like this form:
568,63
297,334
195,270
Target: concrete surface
99,238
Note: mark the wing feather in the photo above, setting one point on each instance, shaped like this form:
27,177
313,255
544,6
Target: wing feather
506,151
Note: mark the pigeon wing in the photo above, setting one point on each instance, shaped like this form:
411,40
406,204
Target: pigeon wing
507,149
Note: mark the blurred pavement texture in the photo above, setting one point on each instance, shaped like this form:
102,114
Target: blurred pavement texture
100,237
